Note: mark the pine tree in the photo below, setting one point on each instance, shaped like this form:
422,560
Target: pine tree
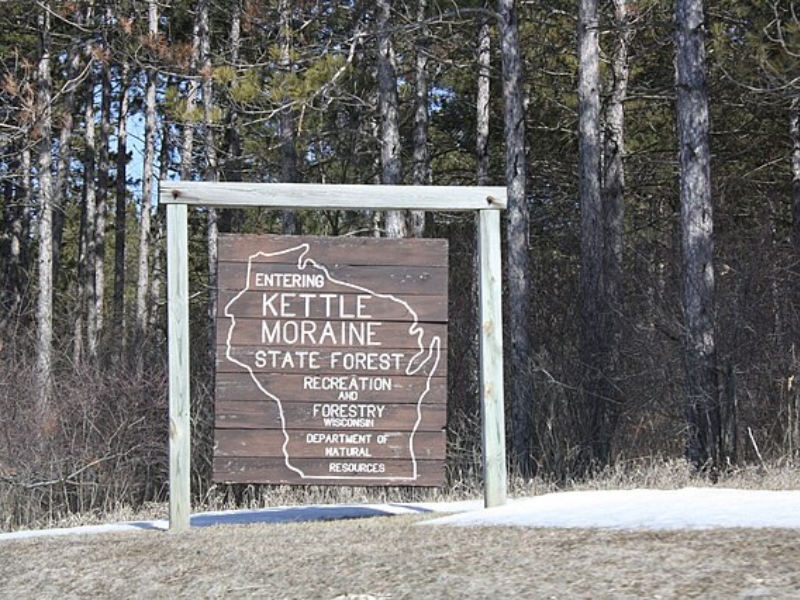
697,235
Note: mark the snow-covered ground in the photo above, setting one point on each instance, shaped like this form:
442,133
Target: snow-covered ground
688,508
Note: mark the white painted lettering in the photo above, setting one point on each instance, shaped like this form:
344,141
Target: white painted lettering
338,383
288,359
268,306
357,439
285,310
358,468
290,280
311,333
367,361
270,336
347,452
361,308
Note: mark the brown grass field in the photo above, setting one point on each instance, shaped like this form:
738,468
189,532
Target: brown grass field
395,557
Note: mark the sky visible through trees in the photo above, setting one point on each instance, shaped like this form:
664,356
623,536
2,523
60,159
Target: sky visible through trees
612,356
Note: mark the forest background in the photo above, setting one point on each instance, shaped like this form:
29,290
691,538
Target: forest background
651,151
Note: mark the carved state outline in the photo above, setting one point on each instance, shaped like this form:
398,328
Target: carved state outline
416,363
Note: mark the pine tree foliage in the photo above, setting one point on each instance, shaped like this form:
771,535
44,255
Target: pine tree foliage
280,90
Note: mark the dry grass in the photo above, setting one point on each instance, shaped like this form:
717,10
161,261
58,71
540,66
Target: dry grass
644,473
397,558
656,473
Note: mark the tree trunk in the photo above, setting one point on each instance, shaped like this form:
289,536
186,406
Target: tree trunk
203,406
120,216
593,435
99,283
86,298
391,165
794,136
613,200
211,174
697,229
230,219
157,280
44,307
469,301
290,225
483,98
422,163
233,168
613,164
192,92
16,254
794,399
517,237
148,161
80,290
67,122
207,79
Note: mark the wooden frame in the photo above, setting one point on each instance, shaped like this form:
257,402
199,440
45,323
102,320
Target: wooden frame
178,195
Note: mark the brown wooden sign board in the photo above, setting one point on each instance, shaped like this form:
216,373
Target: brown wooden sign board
331,361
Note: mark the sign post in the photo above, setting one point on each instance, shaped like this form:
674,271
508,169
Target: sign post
178,351
492,396
178,195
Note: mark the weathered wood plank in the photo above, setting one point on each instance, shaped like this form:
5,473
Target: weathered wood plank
314,387
429,309
331,197
314,334
383,361
288,316
430,473
304,416
336,251
399,281
178,351
269,443
494,445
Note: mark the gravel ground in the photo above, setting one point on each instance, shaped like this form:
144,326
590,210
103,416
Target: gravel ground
396,557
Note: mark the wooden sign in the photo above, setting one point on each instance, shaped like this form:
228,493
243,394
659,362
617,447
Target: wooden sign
331,361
